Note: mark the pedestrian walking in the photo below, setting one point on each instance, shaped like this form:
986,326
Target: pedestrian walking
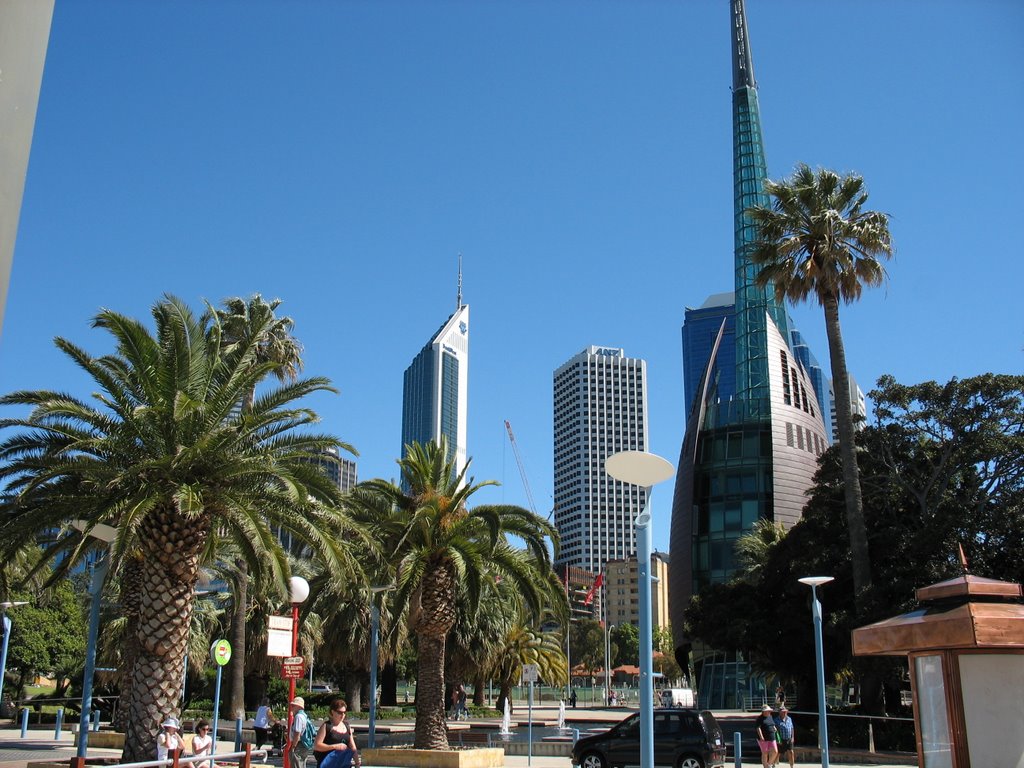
262,723
786,734
299,741
766,730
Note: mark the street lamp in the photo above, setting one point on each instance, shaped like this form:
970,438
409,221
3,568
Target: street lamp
374,633
107,535
643,469
814,582
7,636
299,591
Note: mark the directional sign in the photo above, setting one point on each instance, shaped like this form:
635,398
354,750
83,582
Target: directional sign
220,652
293,668
279,636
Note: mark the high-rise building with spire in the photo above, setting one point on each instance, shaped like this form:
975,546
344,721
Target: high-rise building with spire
753,437
436,387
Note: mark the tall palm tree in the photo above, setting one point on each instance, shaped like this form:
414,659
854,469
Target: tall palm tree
752,548
165,454
443,546
244,322
816,240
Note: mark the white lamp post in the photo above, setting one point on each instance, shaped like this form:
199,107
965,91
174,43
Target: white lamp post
107,535
7,636
374,637
814,582
643,469
607,659
299,591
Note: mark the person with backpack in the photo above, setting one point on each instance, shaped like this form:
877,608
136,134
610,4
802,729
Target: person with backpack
302,735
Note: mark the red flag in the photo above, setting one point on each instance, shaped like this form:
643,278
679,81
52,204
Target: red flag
597,583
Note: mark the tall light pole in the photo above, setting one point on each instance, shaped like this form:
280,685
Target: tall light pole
374,638
7,636
607,657
107,535
814,582
299,589
643,469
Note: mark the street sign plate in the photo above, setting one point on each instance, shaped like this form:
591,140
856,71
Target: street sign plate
293,668
531,673
220,651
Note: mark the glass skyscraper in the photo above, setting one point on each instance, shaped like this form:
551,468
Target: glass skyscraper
754,426
436,388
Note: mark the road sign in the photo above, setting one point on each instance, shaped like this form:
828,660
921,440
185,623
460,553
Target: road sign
220,652
293,668
531,673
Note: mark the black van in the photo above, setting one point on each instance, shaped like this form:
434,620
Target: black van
683,738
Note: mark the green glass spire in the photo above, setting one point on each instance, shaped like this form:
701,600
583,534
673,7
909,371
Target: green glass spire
749,173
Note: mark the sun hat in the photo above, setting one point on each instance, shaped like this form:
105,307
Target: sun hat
766,708
299,702
170,722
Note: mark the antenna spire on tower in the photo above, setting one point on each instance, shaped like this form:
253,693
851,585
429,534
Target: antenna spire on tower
458,296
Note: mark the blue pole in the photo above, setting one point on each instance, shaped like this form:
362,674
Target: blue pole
24,722
95,719
99,574
820,659
643,546
737,749
3,655
60,723
529,729
216,709
374,632
238,734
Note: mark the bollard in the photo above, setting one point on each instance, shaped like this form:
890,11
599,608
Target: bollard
246,760
737,748
238,734
95,720
871,738
60,723
24,722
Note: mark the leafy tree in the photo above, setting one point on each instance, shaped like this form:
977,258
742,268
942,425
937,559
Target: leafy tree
442,544
816,240
586,644
666,663
626,639
48,636
166,455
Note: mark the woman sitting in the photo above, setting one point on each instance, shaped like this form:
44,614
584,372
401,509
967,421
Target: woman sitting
335,745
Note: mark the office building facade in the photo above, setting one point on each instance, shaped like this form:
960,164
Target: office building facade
435,391
600,408
622,596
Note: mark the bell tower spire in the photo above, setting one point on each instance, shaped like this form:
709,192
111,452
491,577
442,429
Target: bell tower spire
458,295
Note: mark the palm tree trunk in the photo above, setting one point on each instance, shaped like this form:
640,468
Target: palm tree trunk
431,729
131,589
171,547
479,684
241,605
859,553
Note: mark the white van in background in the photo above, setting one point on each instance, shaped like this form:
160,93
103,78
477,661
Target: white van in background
678,697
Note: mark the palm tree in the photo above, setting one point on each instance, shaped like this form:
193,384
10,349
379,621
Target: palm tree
166,454
752,548
245,322
443,546
816,240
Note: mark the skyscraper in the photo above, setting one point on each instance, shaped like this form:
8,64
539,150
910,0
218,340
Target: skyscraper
436,387
600,408
751,444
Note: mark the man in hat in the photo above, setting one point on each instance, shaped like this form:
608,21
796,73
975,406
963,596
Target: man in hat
169,739
766,730
297,753
786,733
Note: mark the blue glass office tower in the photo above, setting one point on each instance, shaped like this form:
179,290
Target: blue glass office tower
436,388
752,440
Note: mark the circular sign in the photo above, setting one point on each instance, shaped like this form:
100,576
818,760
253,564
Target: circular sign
221,652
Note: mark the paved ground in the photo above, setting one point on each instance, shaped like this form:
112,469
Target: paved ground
16,752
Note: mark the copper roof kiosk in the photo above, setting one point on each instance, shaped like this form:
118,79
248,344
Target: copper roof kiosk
965,645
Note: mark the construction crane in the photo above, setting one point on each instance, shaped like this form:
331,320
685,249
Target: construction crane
522,469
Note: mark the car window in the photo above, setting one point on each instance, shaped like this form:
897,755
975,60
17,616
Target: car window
630,728
666,723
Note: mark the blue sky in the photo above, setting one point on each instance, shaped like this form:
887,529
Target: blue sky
339,155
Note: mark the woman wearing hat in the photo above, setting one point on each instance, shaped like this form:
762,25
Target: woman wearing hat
765,725
168,740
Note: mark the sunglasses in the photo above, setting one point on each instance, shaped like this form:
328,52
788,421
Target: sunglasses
340,711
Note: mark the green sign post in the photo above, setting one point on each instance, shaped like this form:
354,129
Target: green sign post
220,652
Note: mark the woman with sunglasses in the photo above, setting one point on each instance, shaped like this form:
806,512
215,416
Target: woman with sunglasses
202,744
335,745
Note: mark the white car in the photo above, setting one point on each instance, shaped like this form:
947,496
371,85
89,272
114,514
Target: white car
321,688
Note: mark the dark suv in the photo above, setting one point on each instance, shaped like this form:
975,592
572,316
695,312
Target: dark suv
683,738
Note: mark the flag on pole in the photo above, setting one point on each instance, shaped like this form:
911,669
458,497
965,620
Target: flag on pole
597,583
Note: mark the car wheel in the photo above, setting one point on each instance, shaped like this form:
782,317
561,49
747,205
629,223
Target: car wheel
689,761
593,760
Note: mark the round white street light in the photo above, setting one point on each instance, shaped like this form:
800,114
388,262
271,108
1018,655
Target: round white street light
298,589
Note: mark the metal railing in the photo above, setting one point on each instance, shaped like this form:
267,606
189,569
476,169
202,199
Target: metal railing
243,758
